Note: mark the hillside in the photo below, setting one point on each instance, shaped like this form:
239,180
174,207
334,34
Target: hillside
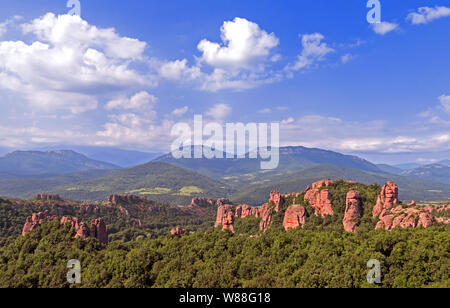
245,171
26,188
158,181
389,169
32,163
411,188
436,173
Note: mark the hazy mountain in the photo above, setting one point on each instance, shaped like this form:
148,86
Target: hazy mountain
115,156
158,181
31,163
444,163
291,158
389,169
408,166
27,188
410,188
435,172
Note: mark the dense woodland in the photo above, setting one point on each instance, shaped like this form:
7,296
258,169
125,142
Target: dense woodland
320,255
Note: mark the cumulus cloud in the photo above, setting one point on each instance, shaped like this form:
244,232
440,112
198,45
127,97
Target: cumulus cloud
244,45
181,111
314,50
445,102
346,58
219,111
139,101
384,27
68,62
425,14
239,62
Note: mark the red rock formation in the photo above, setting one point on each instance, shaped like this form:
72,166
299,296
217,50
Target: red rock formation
277,199
265,212
202,202
223,201
387,199
405,218
353,211
35,221
225,218
294,217
320,201
117,199
99,230
178,232
48,197
322,183
244,210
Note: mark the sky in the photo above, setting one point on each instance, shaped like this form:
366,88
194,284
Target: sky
124,72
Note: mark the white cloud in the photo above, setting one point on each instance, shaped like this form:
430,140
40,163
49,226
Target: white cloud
245,44
445,102
181,111
425,14
69,61
346,58
265,110
240,62
138,101
219,111
314,50
384,27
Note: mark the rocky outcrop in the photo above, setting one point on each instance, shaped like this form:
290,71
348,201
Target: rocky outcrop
277,199
36,220
126,198
322,183
97,229
223,201
405,218
387,199
48,197
294,217
202,202
353,211
320,200
244,210
225,218
178,232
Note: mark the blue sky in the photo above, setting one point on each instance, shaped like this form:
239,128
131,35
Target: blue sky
126,71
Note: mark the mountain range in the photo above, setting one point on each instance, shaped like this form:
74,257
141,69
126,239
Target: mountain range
165,179
45,164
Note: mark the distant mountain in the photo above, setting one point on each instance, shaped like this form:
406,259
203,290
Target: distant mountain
435,172
291,159
32,163
410,188
27,188
115,156
408,166
444,163
158,181
389,169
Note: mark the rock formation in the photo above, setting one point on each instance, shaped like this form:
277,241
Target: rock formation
244,210
387,199
126,198
97,229
202,202
320,201
353,211
294,217
36,220
178,232
277,199
223,201
225,218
